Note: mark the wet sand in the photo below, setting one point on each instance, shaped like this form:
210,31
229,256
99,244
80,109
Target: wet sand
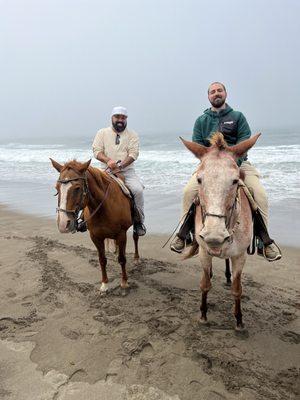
60,339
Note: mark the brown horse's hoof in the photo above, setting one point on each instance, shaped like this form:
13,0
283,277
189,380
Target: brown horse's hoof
103,288
136,261
203,321
125,285
241,331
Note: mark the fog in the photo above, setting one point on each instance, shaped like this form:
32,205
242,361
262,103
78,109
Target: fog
65,64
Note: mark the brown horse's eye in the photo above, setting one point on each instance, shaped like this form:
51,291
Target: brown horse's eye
199,180
76,190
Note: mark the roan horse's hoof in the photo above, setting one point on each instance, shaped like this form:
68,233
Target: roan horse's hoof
203,321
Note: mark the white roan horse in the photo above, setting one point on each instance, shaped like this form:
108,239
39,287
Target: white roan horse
223,221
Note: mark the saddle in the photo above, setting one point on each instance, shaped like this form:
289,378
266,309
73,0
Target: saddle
119,178
260,237
120,181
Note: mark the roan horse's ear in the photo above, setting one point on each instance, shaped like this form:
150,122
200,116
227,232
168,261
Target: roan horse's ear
197,149
56,165
240,149
85,166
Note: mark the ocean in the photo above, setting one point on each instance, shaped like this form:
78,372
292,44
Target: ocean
27,178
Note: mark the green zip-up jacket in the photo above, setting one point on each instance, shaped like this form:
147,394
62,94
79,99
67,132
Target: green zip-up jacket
232,124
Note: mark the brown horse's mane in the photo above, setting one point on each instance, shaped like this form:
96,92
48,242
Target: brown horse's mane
99,176
73,164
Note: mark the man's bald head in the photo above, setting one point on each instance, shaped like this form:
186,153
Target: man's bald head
216,83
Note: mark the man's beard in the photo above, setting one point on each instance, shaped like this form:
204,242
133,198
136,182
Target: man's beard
217,102
119,126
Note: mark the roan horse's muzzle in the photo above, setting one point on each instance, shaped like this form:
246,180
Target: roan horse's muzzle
215,234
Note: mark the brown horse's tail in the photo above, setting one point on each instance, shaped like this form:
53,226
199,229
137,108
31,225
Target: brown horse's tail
190,251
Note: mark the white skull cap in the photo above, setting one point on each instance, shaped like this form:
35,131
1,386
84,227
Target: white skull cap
119,111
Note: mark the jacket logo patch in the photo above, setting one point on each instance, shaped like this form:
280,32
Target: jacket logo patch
228,122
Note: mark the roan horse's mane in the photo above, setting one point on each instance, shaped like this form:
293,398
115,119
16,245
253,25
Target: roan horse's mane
217,140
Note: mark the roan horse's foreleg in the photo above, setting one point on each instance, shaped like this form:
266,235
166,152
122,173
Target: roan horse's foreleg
236,288
205,284
121,242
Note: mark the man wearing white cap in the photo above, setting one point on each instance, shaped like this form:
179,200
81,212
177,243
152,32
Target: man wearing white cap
117,148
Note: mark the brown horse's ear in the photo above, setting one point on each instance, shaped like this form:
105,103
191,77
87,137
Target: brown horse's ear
84,166
240,149
56,165
197,149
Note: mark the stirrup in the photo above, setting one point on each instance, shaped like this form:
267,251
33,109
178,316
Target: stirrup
81,227
278,257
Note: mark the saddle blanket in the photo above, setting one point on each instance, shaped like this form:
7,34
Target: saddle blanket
122,185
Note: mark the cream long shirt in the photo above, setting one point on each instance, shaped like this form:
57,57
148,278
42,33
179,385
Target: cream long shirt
105,142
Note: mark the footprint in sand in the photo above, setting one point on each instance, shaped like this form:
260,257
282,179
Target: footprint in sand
69,333
290,336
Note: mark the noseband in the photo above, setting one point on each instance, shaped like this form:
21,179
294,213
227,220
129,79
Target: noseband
228,217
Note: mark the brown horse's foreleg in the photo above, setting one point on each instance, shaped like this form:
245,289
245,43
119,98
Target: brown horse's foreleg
236,288
121,242
136,247
103,261
205,284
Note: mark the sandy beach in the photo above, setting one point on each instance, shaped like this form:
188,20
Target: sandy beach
60,339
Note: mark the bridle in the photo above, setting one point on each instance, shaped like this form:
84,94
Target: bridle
228,217
85,192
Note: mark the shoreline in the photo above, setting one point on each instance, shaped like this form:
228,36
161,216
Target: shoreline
162,211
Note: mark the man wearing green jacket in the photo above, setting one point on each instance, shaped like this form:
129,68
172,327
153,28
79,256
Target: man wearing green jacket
234,126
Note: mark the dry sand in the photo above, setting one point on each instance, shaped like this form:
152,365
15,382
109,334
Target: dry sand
60,339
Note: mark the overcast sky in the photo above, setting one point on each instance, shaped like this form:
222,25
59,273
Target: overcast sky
66,63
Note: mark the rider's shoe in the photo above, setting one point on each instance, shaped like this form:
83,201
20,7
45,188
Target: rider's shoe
272,252
139,229
81,227
177,244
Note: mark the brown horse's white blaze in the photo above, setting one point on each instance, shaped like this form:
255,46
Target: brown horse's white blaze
63,219
223,222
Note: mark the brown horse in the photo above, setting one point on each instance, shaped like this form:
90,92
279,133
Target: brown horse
223,221
107,211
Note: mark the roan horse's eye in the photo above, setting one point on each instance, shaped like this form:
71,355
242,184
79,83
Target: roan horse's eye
235,181
199,180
